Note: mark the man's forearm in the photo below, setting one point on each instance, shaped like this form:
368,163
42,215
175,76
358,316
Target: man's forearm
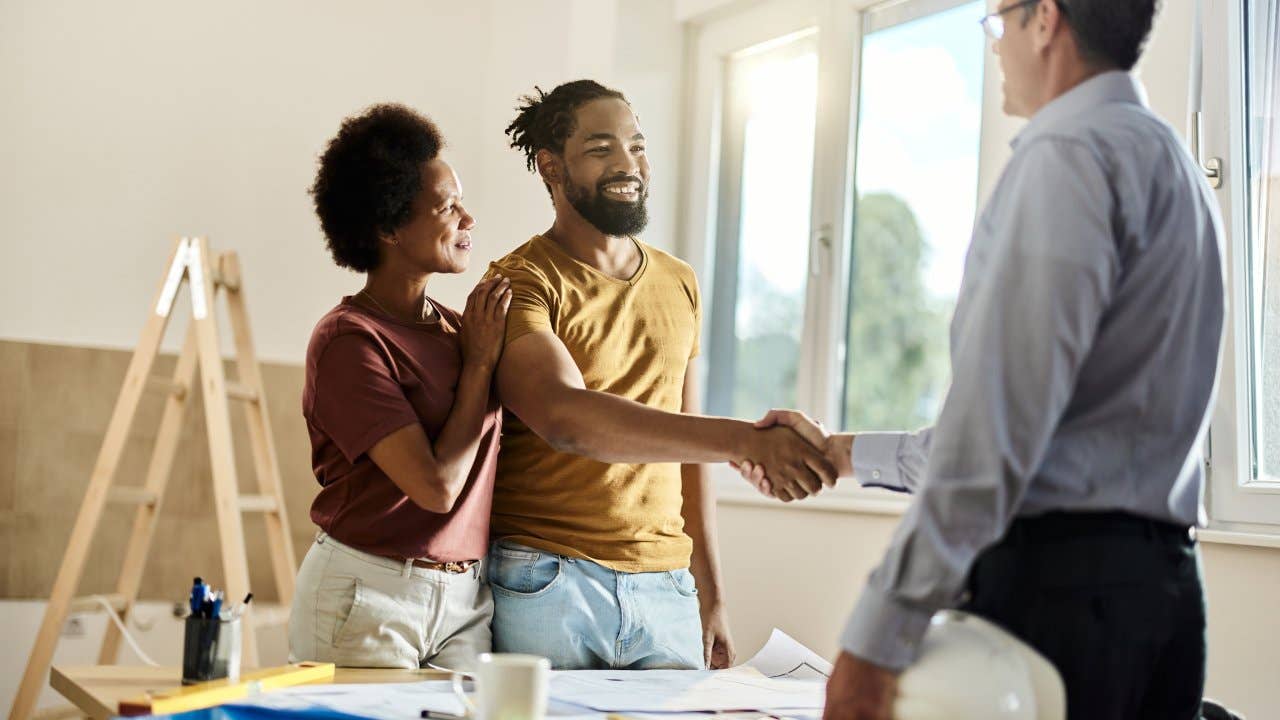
612,429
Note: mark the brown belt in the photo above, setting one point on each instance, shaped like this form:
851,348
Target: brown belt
453,568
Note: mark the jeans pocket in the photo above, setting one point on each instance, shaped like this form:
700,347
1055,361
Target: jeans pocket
683,582
521,572
513,551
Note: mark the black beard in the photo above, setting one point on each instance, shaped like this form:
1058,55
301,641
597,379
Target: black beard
610,217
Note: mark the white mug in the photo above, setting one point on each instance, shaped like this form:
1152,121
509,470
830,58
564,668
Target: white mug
508,687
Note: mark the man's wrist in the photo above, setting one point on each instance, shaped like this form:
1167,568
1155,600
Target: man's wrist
708,608
739,438
710,597
839,452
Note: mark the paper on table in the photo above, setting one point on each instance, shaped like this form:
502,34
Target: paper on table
379,701
739,688
784,675
784,657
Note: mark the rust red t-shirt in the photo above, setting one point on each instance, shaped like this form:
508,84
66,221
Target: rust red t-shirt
368,375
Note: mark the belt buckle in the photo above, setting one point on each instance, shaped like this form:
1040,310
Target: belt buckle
455,567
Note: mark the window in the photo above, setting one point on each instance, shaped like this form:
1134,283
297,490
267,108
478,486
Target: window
916,183
1240,103
836,290
1262,63
762,251
835,177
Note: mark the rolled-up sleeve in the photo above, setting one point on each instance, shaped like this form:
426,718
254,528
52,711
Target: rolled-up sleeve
1024,325
890,460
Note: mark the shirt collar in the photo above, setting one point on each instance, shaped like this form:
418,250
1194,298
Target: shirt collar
1102,89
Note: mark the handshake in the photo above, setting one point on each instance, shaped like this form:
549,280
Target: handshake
790,456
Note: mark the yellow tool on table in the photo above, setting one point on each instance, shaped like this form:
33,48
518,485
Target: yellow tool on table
217,692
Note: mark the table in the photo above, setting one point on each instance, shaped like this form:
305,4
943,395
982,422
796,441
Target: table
98,689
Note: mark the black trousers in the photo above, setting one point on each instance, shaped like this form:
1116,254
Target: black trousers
1114,601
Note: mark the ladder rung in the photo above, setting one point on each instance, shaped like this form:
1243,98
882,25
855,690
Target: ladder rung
132,496
164,384
240,391
90,603
259,503
226,272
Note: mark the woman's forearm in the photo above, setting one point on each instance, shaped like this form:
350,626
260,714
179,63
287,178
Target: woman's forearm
456,446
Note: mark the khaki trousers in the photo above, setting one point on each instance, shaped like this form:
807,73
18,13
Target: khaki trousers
355,609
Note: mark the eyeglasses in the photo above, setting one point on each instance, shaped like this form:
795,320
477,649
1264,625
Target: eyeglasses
994,23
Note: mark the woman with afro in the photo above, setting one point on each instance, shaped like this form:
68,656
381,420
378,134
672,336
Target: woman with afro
404,425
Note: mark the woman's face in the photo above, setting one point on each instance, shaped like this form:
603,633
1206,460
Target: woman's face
437,238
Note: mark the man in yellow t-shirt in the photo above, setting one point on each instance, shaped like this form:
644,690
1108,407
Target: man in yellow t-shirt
603,552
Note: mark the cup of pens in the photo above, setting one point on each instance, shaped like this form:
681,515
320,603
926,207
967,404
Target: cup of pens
211,641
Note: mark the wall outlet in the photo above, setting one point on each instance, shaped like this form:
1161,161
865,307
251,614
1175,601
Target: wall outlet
74,628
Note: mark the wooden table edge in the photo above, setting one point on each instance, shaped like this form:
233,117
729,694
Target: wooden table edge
77,695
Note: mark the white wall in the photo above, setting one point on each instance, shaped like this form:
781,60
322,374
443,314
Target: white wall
126,124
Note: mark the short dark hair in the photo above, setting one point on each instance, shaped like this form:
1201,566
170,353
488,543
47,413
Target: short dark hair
546,119
1110,33
368,178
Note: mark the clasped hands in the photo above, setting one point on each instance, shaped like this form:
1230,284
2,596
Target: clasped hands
791,456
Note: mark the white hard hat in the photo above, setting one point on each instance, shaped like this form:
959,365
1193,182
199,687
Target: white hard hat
971,669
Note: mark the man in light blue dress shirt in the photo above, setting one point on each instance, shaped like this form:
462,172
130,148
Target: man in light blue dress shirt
1057,490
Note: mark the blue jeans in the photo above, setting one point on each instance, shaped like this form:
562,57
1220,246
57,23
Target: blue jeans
581,615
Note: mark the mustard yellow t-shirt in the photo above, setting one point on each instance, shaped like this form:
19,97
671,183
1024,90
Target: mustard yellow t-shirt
633,338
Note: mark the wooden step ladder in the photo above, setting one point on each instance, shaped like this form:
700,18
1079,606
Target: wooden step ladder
192,262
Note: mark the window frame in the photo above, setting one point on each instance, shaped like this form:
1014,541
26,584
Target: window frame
1240,505
1237,498
720,332
840,27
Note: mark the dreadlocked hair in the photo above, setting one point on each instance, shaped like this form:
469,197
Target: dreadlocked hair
545,119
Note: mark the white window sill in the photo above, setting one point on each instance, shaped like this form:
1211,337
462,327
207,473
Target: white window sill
856,501
1232,537
883,502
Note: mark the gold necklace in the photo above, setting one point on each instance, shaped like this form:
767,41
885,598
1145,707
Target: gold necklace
430,320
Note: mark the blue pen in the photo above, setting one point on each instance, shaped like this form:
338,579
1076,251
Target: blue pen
197,595
217,605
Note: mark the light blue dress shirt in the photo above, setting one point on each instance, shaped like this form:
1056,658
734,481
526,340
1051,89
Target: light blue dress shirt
1084,357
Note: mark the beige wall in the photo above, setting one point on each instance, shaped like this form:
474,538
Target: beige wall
55,401
129,123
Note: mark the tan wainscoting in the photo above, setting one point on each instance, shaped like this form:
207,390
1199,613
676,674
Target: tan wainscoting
55,402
